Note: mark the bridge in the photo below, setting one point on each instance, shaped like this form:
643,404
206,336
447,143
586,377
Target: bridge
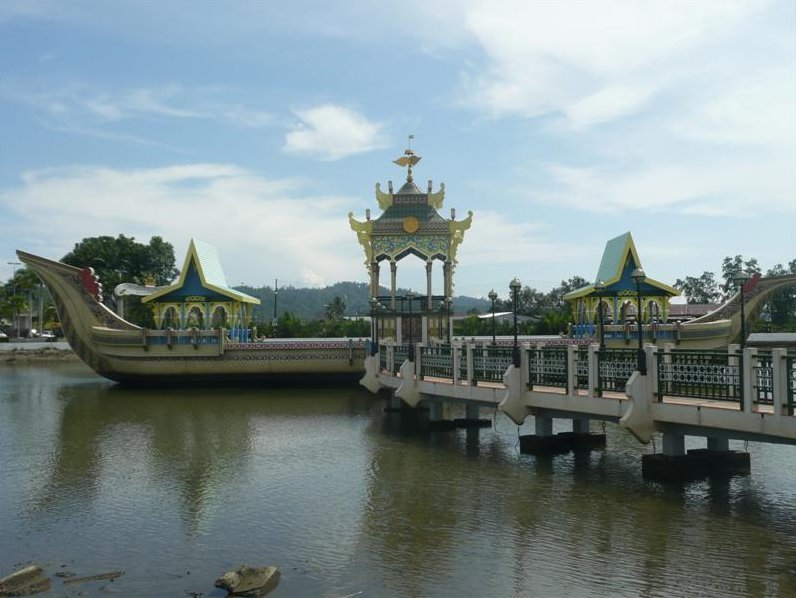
739,394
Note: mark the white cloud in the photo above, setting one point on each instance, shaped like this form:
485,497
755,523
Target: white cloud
78,108
263,228
720,187
592,60
330,132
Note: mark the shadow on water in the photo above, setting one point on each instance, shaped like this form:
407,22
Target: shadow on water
194,440
439,509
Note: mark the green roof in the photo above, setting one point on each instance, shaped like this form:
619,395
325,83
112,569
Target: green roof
205,258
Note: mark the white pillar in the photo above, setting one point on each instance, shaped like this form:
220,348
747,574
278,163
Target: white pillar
543,425
673,445
779,380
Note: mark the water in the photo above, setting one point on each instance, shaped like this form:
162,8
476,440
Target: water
174,487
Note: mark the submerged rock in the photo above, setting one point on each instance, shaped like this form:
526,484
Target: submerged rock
26,581
251,582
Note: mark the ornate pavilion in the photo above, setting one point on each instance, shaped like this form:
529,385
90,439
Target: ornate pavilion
411,225
201,298
618,297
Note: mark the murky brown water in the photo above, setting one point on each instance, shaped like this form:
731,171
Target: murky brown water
176,486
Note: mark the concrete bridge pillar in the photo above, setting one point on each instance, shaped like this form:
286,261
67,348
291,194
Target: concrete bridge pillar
673,445
439,416
580,426
677,464
718,444
471,419
543,425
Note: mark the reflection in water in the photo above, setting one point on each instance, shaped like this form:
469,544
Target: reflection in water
345,499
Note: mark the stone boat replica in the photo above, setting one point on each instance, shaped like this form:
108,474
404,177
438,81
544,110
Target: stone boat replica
124,352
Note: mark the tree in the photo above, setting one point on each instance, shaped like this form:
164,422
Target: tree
781,305
122,259
335,310
732,266
704,289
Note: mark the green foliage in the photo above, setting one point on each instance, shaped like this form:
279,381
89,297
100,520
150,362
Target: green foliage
732,266
780,309
121,259
704,289
335,310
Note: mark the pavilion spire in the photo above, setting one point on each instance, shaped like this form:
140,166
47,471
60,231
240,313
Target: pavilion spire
408,160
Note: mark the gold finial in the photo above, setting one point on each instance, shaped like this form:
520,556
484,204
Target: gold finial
409,159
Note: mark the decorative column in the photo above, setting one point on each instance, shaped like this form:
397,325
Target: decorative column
393,273
374,279
446,275
429,265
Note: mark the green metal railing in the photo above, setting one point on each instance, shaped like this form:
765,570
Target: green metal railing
547,367
614,368
400,354
763,368
700,374
790,373
436,362
490,363
582,367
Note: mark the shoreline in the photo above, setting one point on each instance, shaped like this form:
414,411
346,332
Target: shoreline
35,351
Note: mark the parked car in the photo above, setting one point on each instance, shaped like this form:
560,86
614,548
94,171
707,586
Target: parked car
47,335
3,337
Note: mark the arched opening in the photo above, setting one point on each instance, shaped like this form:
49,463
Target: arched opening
195,318
170,318
219,318
627,312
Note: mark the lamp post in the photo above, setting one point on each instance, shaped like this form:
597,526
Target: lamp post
492,297
374,324
411,355
449,325
515,286
599,287
639,277
740,281
14,290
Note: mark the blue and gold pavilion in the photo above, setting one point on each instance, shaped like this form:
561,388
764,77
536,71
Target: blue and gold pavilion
619,298
201,297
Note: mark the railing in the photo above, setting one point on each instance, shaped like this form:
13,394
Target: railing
547,367
436,361
790,373
490,363
400,353
614,368
700,374
763,368
582,367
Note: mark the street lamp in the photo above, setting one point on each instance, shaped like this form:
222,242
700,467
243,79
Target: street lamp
740,281
492,296
14,290
375,330
449,325
639,277
599,288
515,286
411,355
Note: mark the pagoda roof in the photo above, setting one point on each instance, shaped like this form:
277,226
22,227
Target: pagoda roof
620,258
202,269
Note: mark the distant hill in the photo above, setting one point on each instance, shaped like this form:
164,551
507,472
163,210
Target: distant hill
309,303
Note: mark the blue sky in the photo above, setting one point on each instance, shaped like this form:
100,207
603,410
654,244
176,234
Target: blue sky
257,127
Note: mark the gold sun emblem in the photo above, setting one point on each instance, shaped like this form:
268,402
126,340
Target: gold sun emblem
411,224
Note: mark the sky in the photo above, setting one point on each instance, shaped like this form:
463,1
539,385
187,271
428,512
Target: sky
257,127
